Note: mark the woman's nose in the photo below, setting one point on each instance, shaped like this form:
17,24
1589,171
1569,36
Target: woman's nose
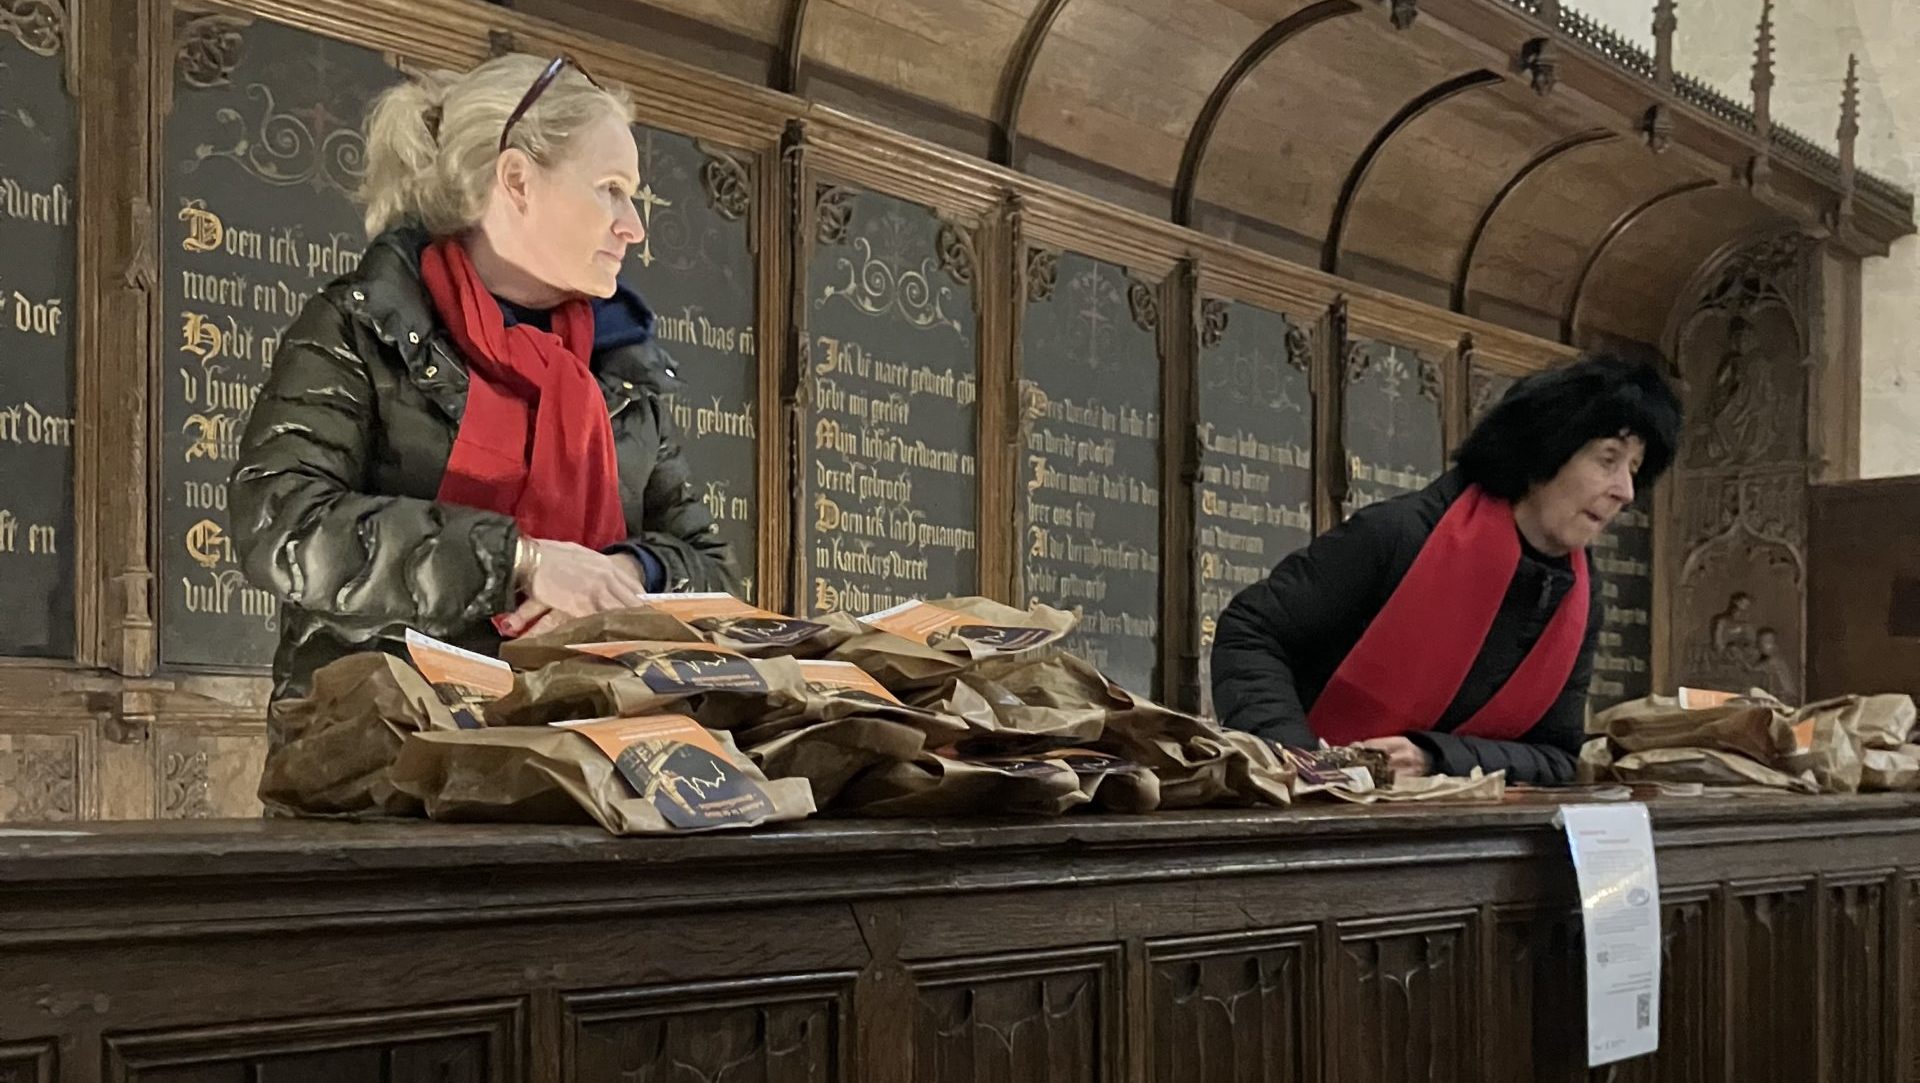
627,225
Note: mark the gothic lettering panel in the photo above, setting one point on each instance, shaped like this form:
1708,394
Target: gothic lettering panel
1404,1001
696,269
790,1033
1255,503
1392,424
38,141
263,153
1016,1020
892,438
1622,560
1090,364
1233,1008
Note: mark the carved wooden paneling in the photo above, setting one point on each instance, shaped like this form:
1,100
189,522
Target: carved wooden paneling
40,776
1233,1008
1742,571
1858,963
1690,1014
785,1030
479,1043
1484,388
1010,1019
1404,1003
1907,1020
203,774
1537,1000
27,1063
1740,496
1772,973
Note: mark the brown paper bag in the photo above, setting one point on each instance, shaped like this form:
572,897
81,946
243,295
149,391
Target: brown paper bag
668,776
974,627
339,741
1753,729
730,622
1883,721
1476,786
718,689
941,640
1197,763
719,619
1707,766
1890,769
1595,763
932,785
830,691
904,667
829,754
1826,745
614,626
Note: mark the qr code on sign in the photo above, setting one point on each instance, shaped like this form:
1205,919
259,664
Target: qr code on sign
1643,1011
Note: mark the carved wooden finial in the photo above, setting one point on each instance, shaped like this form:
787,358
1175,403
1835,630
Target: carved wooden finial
1664,24
1550,13
1849,125
1763,72
1657,126
1540,59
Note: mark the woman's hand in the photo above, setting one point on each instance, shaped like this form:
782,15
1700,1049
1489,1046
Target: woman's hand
565,581
1406,758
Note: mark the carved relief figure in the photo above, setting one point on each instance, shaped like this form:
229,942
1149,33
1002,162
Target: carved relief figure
1729,631
1772,672
1736,656
1742,389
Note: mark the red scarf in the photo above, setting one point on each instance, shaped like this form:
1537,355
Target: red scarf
1410,662
536,442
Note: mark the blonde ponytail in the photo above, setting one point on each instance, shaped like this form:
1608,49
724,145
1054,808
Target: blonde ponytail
433,140
403,147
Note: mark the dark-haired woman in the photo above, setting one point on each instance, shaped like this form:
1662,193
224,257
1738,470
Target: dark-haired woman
1454,627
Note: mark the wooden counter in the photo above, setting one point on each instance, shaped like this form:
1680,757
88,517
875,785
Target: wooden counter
1323,943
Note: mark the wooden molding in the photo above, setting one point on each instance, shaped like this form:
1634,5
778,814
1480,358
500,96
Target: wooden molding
1570,320
1011,92
1428,99
1200,135
1462,283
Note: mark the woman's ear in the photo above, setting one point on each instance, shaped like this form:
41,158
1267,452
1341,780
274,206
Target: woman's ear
512,176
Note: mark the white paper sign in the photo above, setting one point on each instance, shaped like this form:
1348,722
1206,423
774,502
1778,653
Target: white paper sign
1612,848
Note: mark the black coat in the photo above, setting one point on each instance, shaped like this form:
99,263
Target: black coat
1279,641
334,495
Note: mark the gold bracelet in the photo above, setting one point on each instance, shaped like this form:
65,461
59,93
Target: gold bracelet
526,558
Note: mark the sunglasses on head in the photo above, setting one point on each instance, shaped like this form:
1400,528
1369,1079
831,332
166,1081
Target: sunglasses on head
547,76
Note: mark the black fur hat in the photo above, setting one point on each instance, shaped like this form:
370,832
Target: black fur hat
1545,418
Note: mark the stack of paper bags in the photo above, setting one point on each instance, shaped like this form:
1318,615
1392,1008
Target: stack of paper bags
698,711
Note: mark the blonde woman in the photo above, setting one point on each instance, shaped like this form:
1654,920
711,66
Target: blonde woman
466,435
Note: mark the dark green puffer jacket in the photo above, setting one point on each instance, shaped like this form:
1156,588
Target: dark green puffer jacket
333,498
